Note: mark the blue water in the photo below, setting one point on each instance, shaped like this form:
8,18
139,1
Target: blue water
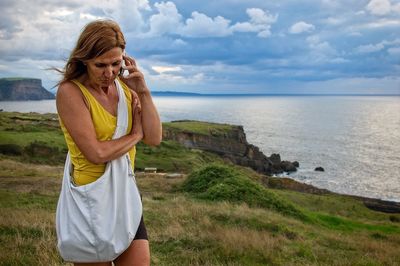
355,138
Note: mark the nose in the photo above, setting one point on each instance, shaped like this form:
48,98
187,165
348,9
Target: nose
108,71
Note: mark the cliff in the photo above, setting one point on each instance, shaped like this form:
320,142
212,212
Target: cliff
23,89
228,141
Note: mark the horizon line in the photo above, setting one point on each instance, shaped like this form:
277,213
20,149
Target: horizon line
272,94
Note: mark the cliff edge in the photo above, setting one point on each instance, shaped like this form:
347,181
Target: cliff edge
23,89
228,141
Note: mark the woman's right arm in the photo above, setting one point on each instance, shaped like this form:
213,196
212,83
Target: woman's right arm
75,115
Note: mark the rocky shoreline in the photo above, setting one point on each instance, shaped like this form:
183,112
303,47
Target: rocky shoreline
371,203
232,145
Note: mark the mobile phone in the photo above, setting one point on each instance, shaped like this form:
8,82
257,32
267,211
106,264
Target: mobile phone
122,69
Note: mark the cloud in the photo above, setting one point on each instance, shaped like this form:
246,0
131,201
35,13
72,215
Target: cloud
128,13
165,69
168,80
334,21
43,30
382,7
379,7
317,45
232,54
200,25
376,24
371,48
260,21
260,17
168,20
321,52
301,27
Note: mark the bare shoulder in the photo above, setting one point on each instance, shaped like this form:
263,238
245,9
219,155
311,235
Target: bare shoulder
69,96
68,88
69,91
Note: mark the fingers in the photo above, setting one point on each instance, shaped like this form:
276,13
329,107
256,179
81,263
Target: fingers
134,75
130,61
136,107
137,123
133,71
132,68
136,104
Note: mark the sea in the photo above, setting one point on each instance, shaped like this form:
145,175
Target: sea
356,139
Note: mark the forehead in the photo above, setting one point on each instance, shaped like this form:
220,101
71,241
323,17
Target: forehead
110,56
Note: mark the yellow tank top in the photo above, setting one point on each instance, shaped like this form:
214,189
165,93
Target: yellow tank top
104,123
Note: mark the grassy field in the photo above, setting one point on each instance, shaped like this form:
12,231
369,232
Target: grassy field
186,229
204,128
212,214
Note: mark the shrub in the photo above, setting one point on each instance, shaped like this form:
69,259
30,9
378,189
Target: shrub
218,183
40,152
10,149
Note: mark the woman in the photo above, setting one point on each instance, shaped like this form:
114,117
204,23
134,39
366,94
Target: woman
87,102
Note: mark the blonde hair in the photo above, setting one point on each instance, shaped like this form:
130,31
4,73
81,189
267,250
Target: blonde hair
96,38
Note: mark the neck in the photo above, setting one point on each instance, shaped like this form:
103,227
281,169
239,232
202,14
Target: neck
105,89
96,87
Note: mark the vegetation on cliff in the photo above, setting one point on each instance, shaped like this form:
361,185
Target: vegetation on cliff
218,214
204,128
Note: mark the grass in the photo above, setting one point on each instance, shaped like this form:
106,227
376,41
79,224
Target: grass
23,139
204,128
186,230
212,214
172,157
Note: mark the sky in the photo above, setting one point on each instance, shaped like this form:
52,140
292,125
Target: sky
225,46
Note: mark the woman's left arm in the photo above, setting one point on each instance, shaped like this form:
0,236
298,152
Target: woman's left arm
152,129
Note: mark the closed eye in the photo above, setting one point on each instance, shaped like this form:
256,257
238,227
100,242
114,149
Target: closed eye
101,65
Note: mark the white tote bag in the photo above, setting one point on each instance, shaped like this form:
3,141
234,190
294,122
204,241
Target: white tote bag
98,221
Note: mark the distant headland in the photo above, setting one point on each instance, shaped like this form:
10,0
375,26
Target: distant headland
23,89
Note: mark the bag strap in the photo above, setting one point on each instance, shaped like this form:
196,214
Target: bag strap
122,112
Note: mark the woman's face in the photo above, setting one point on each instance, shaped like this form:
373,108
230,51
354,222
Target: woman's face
103,70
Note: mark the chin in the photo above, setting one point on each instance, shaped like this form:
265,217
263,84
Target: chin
107,82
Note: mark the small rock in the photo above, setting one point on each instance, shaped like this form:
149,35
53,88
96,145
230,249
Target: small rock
296,164
320,169
288,166
275,158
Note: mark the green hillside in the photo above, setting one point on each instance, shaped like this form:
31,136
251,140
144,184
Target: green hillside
212,213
